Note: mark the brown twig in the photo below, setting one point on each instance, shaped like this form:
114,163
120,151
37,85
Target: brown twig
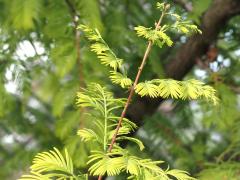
75,18
150,43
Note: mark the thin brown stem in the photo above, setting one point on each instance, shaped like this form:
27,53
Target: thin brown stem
75,18
123,114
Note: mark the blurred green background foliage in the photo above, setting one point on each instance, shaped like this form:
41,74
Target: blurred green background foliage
44,61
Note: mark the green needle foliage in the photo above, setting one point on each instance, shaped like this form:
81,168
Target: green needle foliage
107,57
52,164
103,109
165,88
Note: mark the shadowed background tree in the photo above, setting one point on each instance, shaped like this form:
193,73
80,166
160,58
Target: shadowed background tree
44,60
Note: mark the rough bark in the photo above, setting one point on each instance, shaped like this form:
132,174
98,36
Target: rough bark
213,21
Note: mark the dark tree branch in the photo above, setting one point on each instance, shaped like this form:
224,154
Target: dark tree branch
184,4
213,20
71,8
235,89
